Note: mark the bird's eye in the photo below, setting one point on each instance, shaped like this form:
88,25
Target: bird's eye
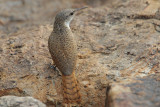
71,13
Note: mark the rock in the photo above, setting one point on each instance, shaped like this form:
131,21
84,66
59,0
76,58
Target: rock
142,92
118,44
14,101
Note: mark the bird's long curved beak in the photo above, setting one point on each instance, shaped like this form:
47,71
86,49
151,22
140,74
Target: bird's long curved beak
80,8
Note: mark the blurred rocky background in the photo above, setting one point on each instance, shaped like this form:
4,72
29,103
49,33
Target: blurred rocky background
118,52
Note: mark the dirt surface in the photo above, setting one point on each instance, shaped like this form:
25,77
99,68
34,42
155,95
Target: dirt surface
118,51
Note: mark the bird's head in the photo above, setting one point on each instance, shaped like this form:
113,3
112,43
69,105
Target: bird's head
65,16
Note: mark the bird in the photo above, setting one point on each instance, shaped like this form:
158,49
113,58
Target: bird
63,49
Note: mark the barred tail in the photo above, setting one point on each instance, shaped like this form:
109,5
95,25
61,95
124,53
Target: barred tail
70,87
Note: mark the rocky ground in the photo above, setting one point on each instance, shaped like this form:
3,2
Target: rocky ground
118,51
13,101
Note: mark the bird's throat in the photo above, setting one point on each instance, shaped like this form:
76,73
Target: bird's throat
67,24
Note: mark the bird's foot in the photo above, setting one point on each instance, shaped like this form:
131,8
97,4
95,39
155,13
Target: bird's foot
53,67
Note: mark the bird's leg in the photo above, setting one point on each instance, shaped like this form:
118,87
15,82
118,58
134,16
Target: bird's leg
53,67
58,73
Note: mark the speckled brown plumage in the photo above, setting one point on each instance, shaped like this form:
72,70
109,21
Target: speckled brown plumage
63,49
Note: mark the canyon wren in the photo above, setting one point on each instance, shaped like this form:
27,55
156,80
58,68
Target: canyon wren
63,49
